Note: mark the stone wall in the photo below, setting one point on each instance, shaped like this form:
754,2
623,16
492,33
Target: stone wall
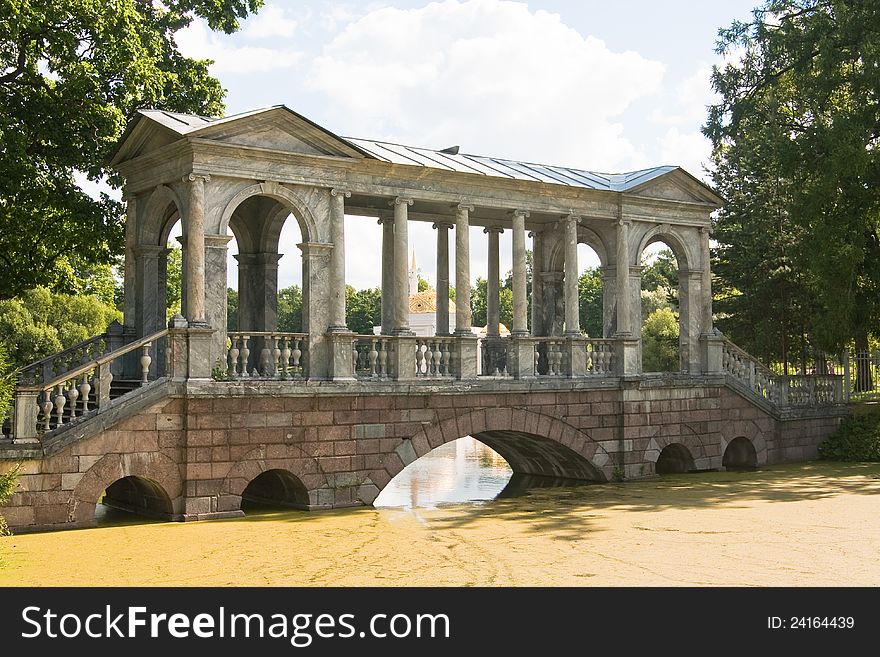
204,445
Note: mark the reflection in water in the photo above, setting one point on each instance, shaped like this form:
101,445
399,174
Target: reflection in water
108,516
460,471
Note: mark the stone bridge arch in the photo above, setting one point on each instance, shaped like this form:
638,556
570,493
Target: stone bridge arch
705,453
263,458
532,443
749,430
156,468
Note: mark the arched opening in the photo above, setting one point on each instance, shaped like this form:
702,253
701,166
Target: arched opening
462,470
740,454
484,466
133,495
675,458
274,489
594,317
661,318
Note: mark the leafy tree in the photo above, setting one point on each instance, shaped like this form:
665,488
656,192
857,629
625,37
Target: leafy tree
8,484
423,285
660,342
290,307
41,323
71,72
174,281
590,302
7,382
795,139
363,309
231,309
479,294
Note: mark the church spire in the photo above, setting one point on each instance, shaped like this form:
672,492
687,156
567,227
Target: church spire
413,275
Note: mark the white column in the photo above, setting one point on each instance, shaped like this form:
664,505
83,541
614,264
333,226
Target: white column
463,270
387,224
194,228
706,283
130,276
572,314
520,300
337,260
401,271
624,321
537,284
493,315
441,317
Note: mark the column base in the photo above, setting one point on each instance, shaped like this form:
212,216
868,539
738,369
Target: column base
402,332
338,329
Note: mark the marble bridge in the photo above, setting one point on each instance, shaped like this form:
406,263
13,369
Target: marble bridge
186,419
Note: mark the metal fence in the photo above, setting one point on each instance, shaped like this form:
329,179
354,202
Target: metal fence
859,369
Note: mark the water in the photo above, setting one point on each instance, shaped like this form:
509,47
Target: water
813,524
463,470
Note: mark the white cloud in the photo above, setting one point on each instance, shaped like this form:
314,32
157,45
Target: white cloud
270,22
689,150
489,75
198,42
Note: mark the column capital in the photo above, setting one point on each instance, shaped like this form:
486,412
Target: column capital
493,229
192,177
706,230
464,205
335,191
401,200
217,240
521,213
572,216
624,222
153,250
442,224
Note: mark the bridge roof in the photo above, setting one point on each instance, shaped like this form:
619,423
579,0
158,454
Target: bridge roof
448,159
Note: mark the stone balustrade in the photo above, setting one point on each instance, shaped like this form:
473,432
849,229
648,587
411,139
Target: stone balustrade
370,355
76,393
64,361
601,357
435,357
266,355
793,391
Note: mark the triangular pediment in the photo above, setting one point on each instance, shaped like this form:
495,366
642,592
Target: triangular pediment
279,129
275,128
142,137
677,185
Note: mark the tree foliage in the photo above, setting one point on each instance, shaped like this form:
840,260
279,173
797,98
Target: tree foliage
590,302
363,309
660,348
71,72
40,323
290,309
795,140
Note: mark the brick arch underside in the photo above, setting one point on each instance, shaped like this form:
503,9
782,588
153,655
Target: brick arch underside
532,443
159,471
290,459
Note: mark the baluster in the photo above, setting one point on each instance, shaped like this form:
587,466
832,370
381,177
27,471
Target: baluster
233,356
285,357
437,357
551,358
295,356
357,358
245,354
383,358
443,365
84,389
373,357
72,396
59,400
47,407
265,358
419,358
146,360
276,358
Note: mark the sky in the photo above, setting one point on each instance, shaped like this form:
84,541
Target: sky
603,86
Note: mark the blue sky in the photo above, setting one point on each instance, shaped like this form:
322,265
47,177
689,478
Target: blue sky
607,86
